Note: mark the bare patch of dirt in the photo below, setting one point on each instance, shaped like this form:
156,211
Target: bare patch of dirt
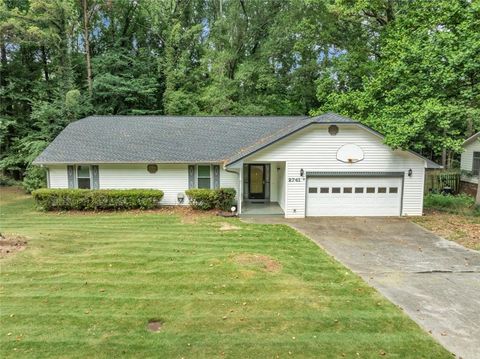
228,227
464,230
260,261
10,244
187,214
154,325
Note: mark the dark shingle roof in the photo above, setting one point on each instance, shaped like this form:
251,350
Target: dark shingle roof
144,139
176,139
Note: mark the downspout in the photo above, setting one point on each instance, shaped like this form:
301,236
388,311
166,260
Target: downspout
240,186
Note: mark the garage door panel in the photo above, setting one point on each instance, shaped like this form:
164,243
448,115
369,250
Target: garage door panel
354,196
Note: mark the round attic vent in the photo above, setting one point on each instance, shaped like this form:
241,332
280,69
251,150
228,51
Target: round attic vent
333,130
152,168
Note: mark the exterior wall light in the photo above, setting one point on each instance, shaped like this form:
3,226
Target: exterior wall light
410,172
302,172
180,198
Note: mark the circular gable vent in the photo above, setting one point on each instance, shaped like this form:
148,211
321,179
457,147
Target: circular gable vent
333,130
350,153
152,168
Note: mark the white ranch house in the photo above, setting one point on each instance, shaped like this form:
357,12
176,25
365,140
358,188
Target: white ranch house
327,165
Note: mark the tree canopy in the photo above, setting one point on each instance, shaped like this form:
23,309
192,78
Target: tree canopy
409,69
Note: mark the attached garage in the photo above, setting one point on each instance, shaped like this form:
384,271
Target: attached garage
350,194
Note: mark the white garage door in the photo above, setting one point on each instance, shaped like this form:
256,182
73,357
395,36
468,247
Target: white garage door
354,196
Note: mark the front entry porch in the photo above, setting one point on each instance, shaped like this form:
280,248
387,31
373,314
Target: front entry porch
263,188
259,208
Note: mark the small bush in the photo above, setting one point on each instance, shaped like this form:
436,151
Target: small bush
205,199
35,178
225,198
92,200
462,203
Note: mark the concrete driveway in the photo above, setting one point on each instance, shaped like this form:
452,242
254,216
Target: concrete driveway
435,281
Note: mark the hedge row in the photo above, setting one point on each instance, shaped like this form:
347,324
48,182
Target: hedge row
221,198
102,199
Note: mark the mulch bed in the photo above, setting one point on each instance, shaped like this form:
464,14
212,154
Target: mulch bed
464,230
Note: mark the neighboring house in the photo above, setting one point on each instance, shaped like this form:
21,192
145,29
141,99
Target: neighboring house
470,160
297,166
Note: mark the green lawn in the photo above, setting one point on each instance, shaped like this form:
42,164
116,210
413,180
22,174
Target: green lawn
87,284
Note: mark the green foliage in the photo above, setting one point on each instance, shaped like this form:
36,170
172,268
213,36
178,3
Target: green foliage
224,198
422,86
206,199
461,204
201,198
407,69
6,181
35,178
92,200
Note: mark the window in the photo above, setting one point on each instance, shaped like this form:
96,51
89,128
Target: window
83,177
358,189
335,189
324,190
312,190
370,189
382,190
347,189
393,190
476,164
203,176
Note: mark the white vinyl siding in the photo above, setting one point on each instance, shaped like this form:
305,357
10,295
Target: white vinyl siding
281,185
58,176
229,180
466,163
314,149
170,178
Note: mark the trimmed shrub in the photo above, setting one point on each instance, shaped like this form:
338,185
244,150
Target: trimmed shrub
35,178
462,203
48,199
225,198
205,199
201,198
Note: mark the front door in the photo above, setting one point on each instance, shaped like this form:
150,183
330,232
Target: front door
256,181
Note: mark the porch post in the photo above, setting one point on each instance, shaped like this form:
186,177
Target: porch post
240,190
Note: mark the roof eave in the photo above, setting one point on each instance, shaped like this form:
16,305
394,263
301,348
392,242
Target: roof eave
471,139
46,163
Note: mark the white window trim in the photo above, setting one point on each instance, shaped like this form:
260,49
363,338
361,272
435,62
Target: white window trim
89,172
211,174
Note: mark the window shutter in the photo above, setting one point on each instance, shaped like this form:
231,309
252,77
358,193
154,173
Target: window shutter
71,176
216,176
48,178
95,177
191,176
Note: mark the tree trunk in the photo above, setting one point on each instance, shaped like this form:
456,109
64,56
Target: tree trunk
444,158
87,47
3,60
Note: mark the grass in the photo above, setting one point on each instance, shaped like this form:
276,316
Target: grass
87,284
461,204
